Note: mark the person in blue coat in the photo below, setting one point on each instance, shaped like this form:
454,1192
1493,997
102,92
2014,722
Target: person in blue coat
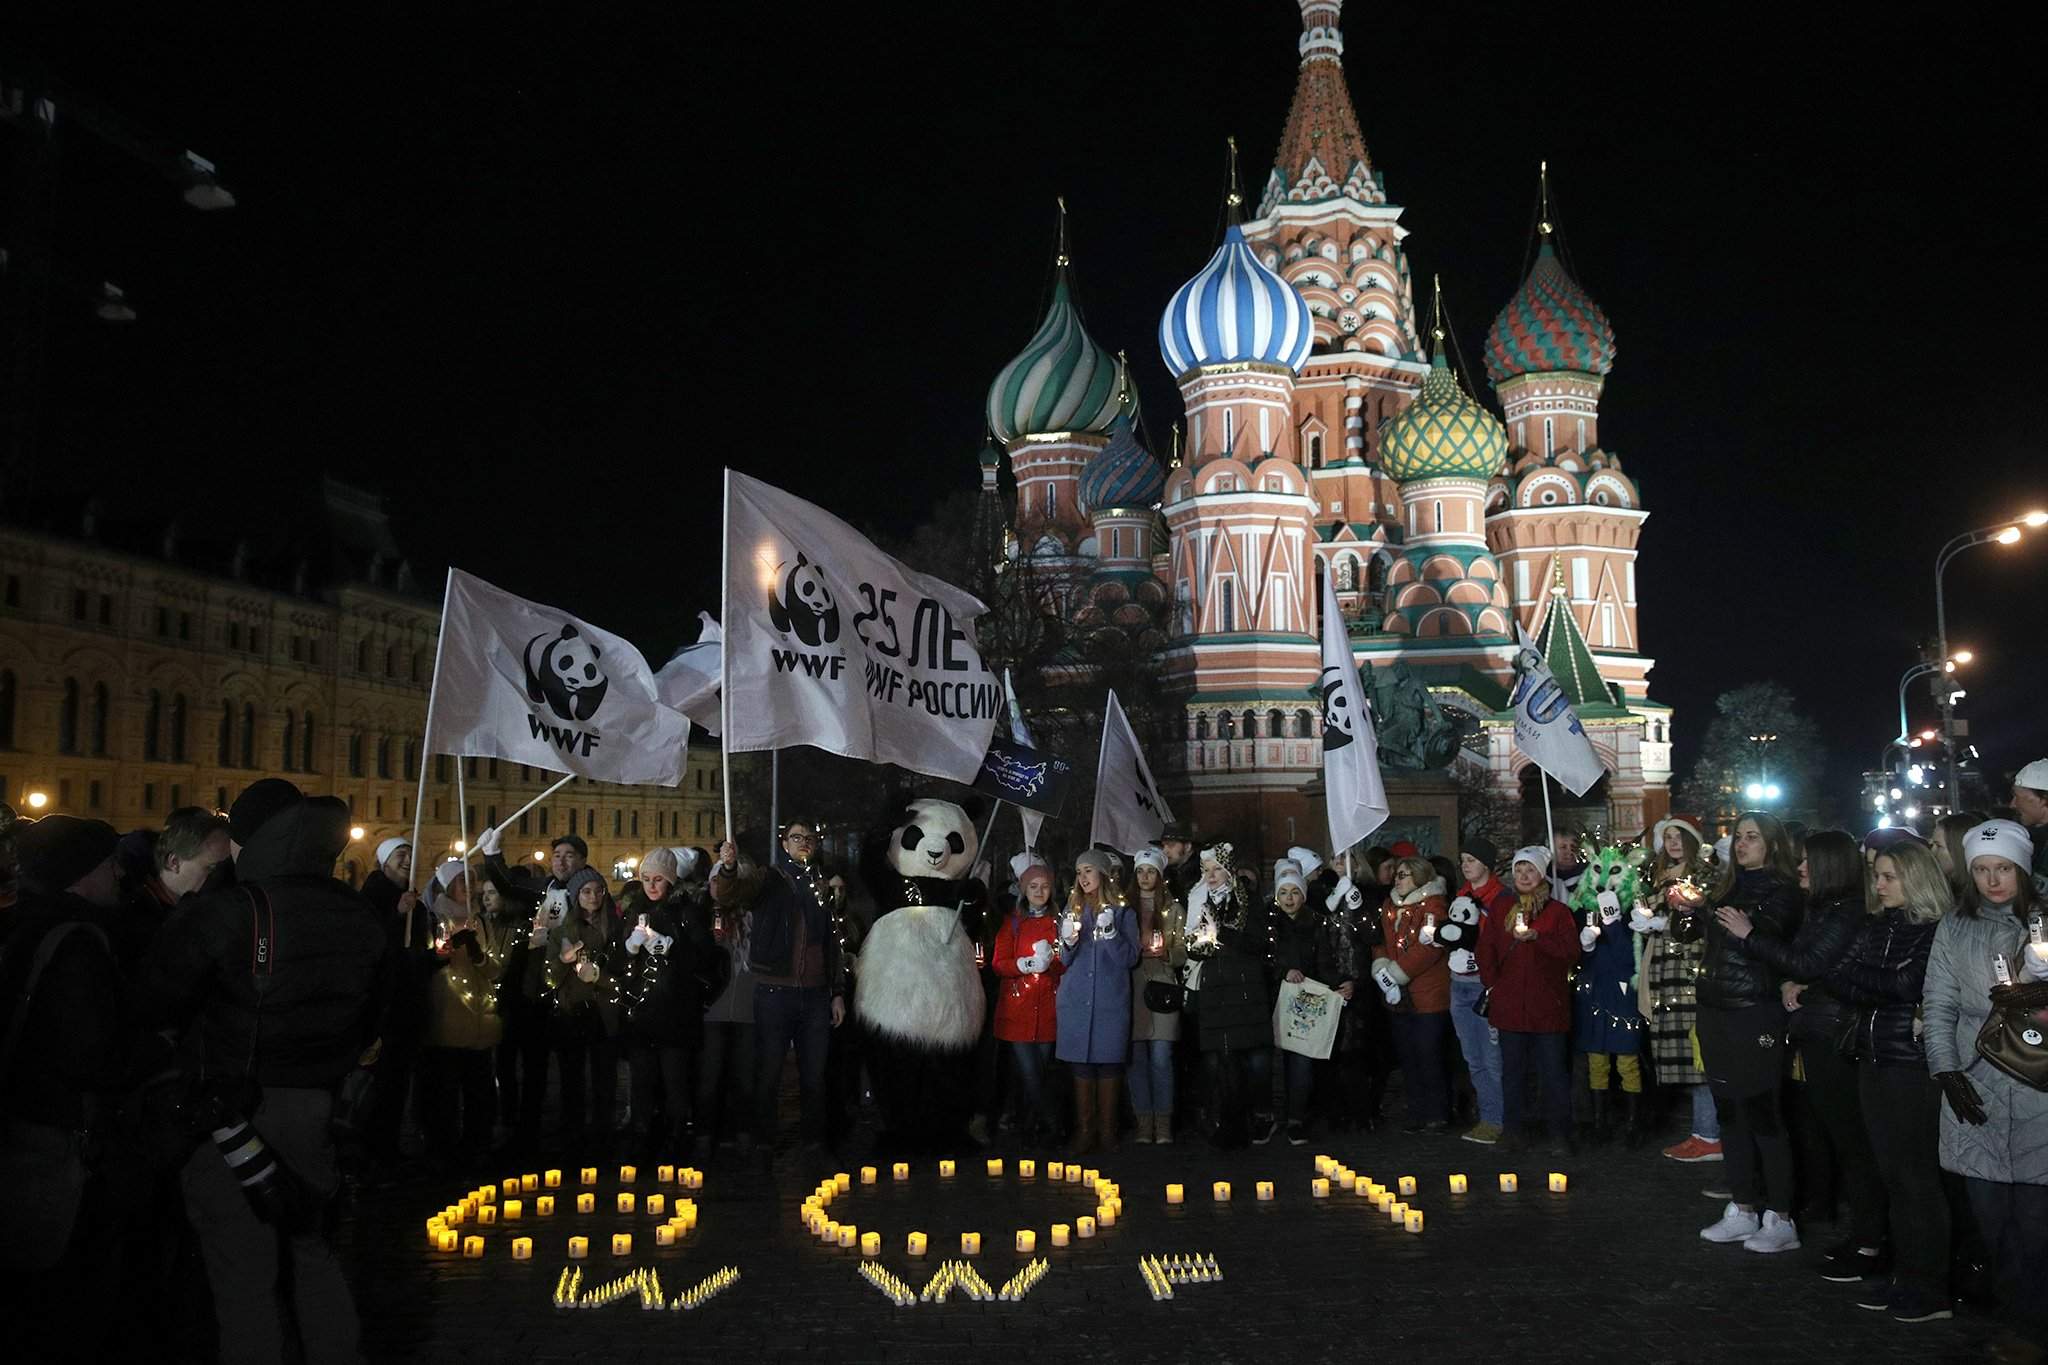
1098,946
1607,1022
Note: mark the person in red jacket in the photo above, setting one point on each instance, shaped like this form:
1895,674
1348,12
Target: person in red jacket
1026,1021
1525,962
1411,972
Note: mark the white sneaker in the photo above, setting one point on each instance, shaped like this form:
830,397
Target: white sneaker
1776,1234
1735,1226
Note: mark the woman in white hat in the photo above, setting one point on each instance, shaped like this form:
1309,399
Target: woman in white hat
1994,1127
1154,1033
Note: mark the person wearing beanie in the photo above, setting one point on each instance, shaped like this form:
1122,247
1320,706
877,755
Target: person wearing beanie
1527,949
1669,970
456,1103
2030,801
579,962
1162,952
1097,947
1299,949
1481,893
1028,969
1993,953
670,962
1412,974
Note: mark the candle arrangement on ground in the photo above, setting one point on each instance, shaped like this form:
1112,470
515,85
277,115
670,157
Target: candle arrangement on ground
1162,1273
1018,1285
644,1284
483,1208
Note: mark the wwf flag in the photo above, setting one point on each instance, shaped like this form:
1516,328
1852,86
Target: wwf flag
1129,811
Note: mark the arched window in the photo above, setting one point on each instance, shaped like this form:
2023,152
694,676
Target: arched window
355,753
412,759
153,727
1347,573
178,709
6,708
1251,725
67,719
248,735
1276,724
1304,724
1226,726
1202,725
418,663
227,734
306,745
288,745
383,755
391,661
362,661
100,707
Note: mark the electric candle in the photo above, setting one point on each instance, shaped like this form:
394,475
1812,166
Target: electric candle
867,1175
1507,1182
842,1182
970,1244
1089,1177
434,1225
1459,1184
522,1248
1557,1182
1320,1187
625,1201
511,1184
1221,1189
1325,1164
589,1175
1368,1192
916,1244
622,1244
1084,1226
1060,1233
693,1179
664,1174
829,1233
665,1235
995,1165
551,1179
586,1202
486,1194
448,1240
628,1174
579,1247
657,1204
1407,1184
849,1235
946,1167
529,1183
1056,1170
487,1215
1397,1213
900,1171
1175,1194
1346,1178
473,1248
1414,1220
1265,1190
1027,1240
515,1209
1105,1216
1027,1169
544,1206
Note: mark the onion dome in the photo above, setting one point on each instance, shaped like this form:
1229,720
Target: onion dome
1442,434
1550,324
1236,310
1060,381
1123,474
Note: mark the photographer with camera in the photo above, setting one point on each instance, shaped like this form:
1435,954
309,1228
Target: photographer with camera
279,983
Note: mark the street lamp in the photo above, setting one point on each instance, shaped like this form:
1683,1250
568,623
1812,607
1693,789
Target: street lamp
356,832
2000,533
37,800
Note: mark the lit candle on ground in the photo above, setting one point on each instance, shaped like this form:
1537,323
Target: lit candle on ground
511,1184
829,1233
544,1206
1407,1184
586,1202
693,1179
1221,1191
1027,1169
628,1174
473,1248
849,1235
1060,1233
1084,1226
1320,1187
551,1179
625,1201
900,1171
665,1235
995,1165
1265,1190
842,1182
1397,1212
529,1183
522,1248
946,1167
1346,1179
1557,1182
970,1244
657,1204
1413,1222
916,1244
486,1194
1507,1182
664,1174
1372,1192
487,1215
1325,1165
1459,1184
622,1244
1056,1170
589,1175
515,1209
1027,1240
1175,1194
579,1247
1105,1215
1089,1177
867,1175
449,1240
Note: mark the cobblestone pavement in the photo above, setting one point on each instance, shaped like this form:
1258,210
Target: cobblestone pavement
1612,1270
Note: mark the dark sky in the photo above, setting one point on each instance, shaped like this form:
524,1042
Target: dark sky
538,270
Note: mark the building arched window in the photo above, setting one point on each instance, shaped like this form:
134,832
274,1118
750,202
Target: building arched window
362,656
1304,724
67,719
1251,725
6,708
1226,725
383,755
288,742
306,745
226,754
101,704
178,709
248,735
412,759
1202,725
153,727
1276,724
391,661
355,753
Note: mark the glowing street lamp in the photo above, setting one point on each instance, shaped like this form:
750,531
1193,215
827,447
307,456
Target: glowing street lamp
37,800
356,832
1999,533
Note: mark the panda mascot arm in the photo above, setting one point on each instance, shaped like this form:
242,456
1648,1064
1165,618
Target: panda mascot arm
918,984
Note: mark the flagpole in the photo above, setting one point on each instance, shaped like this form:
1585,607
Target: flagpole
775,793
506,824
1550,834
419,798
462,813
724,694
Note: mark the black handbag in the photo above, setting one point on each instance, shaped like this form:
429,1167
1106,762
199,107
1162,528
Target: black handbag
2012,1039
1165,997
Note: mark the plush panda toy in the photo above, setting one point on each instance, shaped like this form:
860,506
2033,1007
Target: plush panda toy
1460,934
918,995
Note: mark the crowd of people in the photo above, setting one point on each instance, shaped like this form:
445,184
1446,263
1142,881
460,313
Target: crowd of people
207,1035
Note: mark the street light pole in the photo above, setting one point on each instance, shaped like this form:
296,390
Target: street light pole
2000,533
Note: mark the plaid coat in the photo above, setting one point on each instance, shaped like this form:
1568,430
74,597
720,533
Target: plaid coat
1670,1001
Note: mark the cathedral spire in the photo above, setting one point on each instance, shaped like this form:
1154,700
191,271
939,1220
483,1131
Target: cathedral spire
1322,153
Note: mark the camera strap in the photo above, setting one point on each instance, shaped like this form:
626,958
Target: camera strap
262,961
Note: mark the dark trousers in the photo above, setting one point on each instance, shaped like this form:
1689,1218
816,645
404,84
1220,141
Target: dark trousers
1423,1042
2014,1221
725,1081
589,1061
1902,1107
1240,1084
1300,1071
255,1272
457,1106
1834,1089
660,1075
1745,1057
534,1052
1028,1062
1544,1058
390,1092
786,1016
505,1062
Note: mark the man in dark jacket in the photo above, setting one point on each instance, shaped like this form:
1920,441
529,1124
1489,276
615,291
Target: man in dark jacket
279,982
409,938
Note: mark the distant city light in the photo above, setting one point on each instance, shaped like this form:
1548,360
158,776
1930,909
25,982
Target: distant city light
37,800
1896,793
1877,801
1884,822
1912,812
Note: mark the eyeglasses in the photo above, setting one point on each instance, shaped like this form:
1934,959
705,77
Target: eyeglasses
794,837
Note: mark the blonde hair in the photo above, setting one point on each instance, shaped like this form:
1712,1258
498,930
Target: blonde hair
1927,891
1420,869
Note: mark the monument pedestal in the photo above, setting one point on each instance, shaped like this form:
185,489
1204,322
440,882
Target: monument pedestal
1422,808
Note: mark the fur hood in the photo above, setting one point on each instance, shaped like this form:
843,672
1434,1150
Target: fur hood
1434,887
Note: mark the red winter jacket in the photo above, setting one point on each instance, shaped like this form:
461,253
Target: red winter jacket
1024,1000
1530,980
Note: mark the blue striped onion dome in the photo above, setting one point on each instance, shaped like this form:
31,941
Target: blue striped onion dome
1235,310
1060,381
1442,434
1122,474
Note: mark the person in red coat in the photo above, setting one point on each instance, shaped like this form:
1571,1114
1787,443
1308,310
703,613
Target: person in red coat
1525,963
1413,976
1029,971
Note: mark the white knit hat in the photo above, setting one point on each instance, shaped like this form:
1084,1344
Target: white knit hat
2034,775
661,861
1150,856
2000,839
1025,861
446,873
1285,873
389,847
1536,855
1310,863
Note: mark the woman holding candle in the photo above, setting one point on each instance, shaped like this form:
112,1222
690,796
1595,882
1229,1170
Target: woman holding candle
1098,944
725,1061
1236,1033
1669,970
1029,971
669,956
582,987
1993,953
1414,977
1301,950
1742,1031
1162,953
463,1027
1526,955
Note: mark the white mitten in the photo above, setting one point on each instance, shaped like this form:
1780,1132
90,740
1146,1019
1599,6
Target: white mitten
659,944
1464,961
569,950
1338,893
1610,907
638,939
1639,920
1389,987
586,971
1105,923
1354,899
1589,936
2034,962
1427,938
490,842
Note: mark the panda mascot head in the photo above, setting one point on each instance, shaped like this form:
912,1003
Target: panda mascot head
925,856
564,671
918,983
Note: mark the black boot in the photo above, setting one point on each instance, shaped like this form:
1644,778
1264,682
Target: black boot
1638,1132
1600,1132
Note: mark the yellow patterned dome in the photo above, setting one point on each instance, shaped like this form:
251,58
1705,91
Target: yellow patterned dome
1443,434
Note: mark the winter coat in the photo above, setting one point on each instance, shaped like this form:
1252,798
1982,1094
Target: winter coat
462,1001
571,999
2011,1146
1496,897
1530,981
324,994
413,963
1294,945
1094,992
788,893
1827,931
661,994
1730,979
1169,920
1230,972
1880,980
1025,1011
1422,967
1344,953
1605,1015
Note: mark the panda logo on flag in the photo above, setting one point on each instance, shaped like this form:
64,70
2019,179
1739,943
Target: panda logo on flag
801,603
1338,722
565,673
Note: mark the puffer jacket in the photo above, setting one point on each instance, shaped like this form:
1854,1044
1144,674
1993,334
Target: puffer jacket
1880,981
462,1002
1026,1011
2011,1145
662,987
1827,931
1730,979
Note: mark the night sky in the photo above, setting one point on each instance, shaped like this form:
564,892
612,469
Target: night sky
536,271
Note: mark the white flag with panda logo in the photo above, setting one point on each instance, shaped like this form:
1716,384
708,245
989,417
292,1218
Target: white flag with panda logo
1129,811
530,684
1354,793
829,642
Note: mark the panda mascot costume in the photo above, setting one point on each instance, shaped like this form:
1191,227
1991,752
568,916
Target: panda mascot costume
918,996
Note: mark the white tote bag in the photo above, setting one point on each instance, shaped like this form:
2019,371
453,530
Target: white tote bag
1305,1018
